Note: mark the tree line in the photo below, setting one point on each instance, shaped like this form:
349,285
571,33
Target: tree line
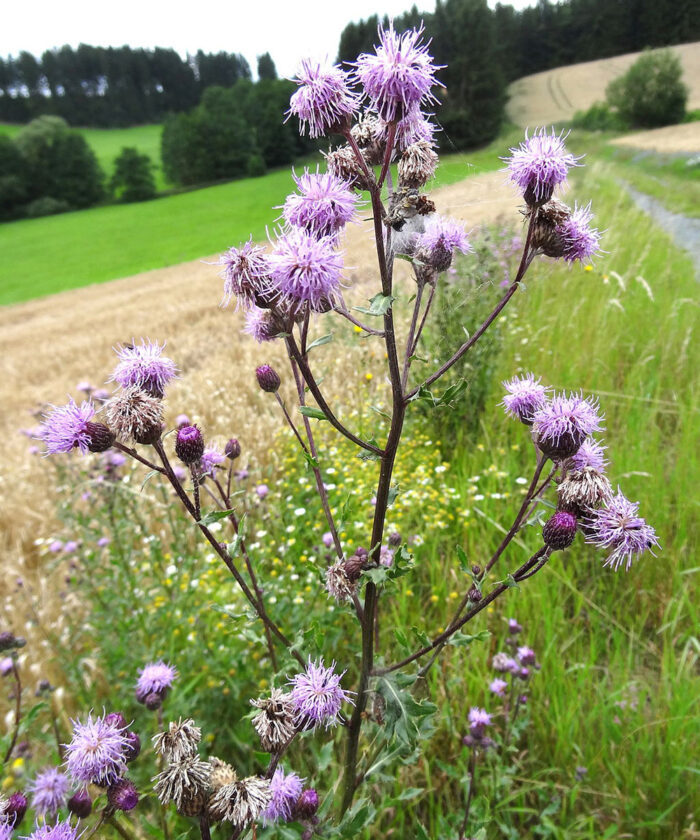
109,87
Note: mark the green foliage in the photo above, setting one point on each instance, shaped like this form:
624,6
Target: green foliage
651,93
266,67
599,117
15,187
45,206
132,179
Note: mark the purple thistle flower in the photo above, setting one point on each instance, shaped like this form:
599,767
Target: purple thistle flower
66,427
48,789
590,454
59,831
399,75
413,127
259,324
96,751
262,491
526,655
246,274
323,205
540,164
525,395
498,686
563,423
7,665
327,539
580,240
514,627
155,678
143,366
317,694
210,461
324,100
285,790
440,239
479,719
5,831
616,528
503,663
306,269
55,546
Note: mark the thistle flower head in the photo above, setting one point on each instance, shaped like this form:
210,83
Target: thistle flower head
260,323
80,804
317,694
48,790
441,237
525,395
246,274
559,531
498,686
179,741
96,751
526,655
539,164
583,489
240,802
275,723
189,444
186,783
338,584
580,241
211,458
285,790
143,366
67,427
135,415
306,270
122,795
589,455
13,809
562,424
323,205
417,164
324,102
307,805
58,831
618,529
155,678
479,719
5,831
414,127
503,663
399,74
344,165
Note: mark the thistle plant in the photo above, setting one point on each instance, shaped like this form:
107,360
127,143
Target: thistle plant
376,113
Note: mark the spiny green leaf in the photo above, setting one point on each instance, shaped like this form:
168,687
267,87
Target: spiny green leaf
464,639
215,516
378,305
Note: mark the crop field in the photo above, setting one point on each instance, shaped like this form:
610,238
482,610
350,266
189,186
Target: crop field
607,747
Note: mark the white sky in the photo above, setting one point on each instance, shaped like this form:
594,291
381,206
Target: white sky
286,29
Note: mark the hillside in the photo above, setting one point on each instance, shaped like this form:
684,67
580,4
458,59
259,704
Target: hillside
555,95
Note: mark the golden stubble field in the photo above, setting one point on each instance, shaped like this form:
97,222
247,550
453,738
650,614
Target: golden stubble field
555,95
48,346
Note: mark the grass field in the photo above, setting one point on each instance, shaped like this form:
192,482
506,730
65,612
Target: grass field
103,243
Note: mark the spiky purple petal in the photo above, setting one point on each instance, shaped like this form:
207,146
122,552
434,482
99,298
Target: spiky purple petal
618,529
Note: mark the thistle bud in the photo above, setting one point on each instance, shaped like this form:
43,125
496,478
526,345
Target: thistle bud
8,641
306,805
153,701
122,795
474,595
189,444
546,234
133,746
536,196
354,565
559,531
232,449
116,719
394,539
101,437
15,809
80,804
268,379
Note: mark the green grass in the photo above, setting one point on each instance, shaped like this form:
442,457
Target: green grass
106,143
104,243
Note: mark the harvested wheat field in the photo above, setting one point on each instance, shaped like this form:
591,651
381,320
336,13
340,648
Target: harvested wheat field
670,140
49,345
555,95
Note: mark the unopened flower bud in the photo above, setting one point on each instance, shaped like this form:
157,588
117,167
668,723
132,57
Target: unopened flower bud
307,805
189,444
268,379
559,531
536,197
476,570
15,809
116,719
133,746
546,230
80,804
153,701
123,795
8,641
394,539
474,594
232,449
354,565
101,437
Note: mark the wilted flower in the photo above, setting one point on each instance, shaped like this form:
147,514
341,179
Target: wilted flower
48,789
135,415
616,528
186,783
241,801
317,694
246,275
96,751
399,74
285,791
539,164
525,395
179,741
275,723
323,205
417,164
582,489
503,663
306,269
324,100
143,366
338,584
562,424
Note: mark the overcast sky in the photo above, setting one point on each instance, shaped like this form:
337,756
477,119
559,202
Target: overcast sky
287,30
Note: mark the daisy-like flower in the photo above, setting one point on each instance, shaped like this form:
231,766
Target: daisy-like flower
525,395
562,424
246,274
96,753
275,723
71,426
285,790
498,686
400,74
210,460
241,801
179,741
143,366
324,102
323,205
59,831
318,695
617,528
155,678
580,241
48,790
441,237
306,270
540,164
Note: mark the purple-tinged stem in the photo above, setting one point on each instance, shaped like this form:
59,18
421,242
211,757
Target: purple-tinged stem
132,453
470,795
18,711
